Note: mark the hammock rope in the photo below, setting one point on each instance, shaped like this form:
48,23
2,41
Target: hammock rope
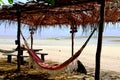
44,65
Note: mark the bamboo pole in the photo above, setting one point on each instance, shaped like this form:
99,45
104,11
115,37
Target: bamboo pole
99,44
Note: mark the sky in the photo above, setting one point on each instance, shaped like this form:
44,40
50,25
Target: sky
11,30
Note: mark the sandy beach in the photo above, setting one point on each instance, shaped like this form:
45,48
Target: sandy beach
60,50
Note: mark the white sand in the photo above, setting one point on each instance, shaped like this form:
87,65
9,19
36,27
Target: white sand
60,50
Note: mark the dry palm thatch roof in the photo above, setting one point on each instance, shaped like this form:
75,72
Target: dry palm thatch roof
77,12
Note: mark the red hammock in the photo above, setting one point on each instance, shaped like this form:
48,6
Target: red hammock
44,65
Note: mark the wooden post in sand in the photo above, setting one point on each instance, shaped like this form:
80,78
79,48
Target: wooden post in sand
18,37
99,44
31,35
72,36
73,30
32,30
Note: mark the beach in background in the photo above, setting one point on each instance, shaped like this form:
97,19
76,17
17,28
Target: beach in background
59,49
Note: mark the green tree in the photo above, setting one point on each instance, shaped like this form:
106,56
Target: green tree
2,2
10,2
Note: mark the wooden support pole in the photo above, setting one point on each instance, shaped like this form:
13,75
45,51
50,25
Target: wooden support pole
99,44
31,35
72,36
18,38
73,31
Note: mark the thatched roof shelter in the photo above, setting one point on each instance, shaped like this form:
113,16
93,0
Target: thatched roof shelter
77,12
65,12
